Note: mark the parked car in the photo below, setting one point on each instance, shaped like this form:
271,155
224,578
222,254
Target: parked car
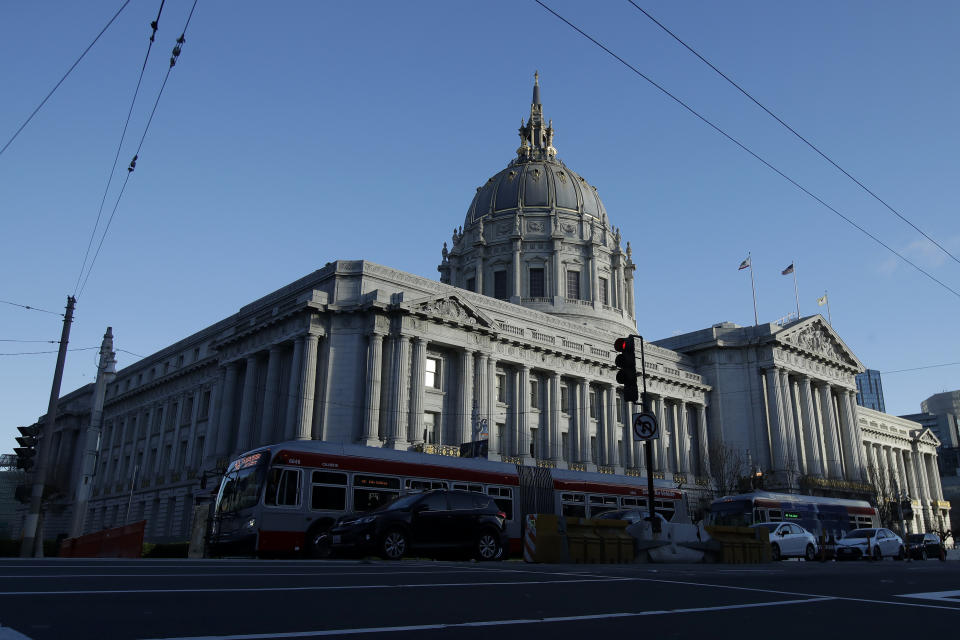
921,546
434,521
789,540
874,544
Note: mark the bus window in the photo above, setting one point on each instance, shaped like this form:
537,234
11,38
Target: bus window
329,491
412,484
369,492
503,496
283,488
599,504
633,502
666,508
469,487
775,515
759,515
573,505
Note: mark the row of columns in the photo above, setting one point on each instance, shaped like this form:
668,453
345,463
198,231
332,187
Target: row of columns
812,427
892,464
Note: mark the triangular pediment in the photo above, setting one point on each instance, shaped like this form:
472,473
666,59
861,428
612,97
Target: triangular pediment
926,436
816,337
449,308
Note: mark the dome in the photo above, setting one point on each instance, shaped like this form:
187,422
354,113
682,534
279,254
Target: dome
531,185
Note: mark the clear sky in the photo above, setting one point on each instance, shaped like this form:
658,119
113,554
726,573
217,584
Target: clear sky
292,133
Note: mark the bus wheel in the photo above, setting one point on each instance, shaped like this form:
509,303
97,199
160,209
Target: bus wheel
810,554
319,543
488,546
775,552
394,544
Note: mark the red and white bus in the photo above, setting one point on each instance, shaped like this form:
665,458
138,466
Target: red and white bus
283,498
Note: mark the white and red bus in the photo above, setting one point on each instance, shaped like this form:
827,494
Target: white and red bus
283,498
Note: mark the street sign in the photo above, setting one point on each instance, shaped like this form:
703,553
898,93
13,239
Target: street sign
645,426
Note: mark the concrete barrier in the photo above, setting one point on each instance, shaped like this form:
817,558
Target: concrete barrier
118,542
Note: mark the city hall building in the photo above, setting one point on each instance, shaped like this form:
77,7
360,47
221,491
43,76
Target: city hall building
513,345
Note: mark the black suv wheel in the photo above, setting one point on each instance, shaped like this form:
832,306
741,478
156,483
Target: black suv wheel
488,546
394,544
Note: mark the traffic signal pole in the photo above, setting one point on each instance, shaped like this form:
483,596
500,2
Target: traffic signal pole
648,445
30,532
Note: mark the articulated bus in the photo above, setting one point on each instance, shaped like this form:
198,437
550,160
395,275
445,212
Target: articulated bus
282,499
823,517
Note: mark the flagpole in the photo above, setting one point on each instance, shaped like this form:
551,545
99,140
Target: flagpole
756,319
829,317
795,293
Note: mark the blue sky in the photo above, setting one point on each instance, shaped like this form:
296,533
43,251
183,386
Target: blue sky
295,133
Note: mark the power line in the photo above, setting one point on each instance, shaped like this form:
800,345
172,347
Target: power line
32,353
56,86
747,149
177,48
794,132
153,25
12,340
931,366
25,306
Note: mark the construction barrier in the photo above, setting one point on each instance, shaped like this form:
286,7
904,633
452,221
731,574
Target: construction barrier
741,545
119,542
549,538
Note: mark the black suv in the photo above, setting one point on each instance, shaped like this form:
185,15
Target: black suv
438,520
921,546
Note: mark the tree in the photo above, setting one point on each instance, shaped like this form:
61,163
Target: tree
885,494
728,466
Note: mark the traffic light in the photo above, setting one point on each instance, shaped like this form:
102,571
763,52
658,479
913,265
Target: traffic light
28,446
626,362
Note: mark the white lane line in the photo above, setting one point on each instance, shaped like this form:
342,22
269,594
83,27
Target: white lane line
943,596
313,588
222,575
494,623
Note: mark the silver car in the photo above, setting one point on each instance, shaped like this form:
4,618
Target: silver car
874,544
789,540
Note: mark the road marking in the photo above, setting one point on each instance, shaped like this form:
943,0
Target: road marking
223,575
313,588
494,623
943,596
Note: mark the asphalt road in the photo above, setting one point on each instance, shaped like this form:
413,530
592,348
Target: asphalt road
59,599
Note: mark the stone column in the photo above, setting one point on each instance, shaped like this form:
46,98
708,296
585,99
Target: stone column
875,467
660,449
810,430
371,416
910,471
794,461
857,433
935,473
703,440
558,286
291,430
583,424
523,412
187,462
924,491
271,396
611,423
491,405
465,404
831,449
248,403
225,423
851,460
418,374
306,390
399,394
683,429
556,443
909,485
517,271
775,409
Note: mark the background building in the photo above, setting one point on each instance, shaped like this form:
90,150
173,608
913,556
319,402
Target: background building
870,390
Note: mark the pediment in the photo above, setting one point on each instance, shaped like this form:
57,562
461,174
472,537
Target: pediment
926,436
449,308
816,337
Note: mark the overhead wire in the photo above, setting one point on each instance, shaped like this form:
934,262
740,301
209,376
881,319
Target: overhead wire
793,131
154,26
26,306
178,47
56,86
747,149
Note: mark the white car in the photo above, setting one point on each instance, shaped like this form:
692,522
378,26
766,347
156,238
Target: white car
875,544
789,540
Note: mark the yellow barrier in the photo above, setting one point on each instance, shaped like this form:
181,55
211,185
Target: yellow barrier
577,540
742,545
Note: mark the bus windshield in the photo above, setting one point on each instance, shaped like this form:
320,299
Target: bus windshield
241,484
735,513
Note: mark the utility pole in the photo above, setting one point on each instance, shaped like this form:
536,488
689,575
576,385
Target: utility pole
30,532
106,370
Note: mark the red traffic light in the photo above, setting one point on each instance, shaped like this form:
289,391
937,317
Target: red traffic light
622,344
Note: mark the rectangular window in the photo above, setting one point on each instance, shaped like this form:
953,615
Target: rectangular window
499,441
502,387
565,399
619,404
593,404
187,411
172,416
573,285
537,289
204,405
594,452
534,394
471,284
500,285
432,379
182,456
565,445
328,491
198,453
430,422
283,488
533,443
604,292
503,496
372,491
